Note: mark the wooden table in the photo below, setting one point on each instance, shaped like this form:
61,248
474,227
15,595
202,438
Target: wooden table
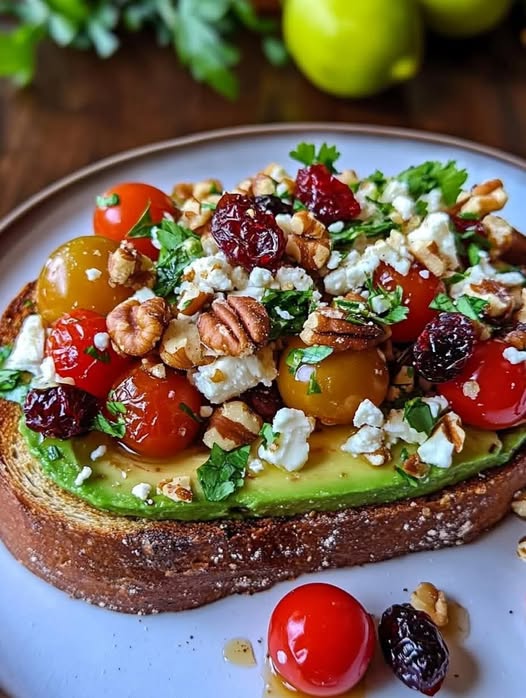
81,109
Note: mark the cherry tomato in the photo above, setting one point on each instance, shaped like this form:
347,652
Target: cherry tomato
158,418
419,287
490,393
321,639
122,206
81,349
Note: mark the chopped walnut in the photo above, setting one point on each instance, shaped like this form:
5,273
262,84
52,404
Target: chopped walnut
181,346
135,327
329,327
233,424
483,198
177,488
128,267
450,424
521,549
518,504
499,233
426,597
198,190
499,298
195,216
348,177
237,326
308,242
517,337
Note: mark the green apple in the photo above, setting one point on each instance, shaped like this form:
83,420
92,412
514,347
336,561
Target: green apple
461,18
354,48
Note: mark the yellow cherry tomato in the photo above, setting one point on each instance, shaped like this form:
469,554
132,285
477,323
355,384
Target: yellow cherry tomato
343,379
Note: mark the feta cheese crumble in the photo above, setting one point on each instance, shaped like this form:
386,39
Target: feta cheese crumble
514,356
84,475
142,491
93,274
290,448
98,452
28,350
101,341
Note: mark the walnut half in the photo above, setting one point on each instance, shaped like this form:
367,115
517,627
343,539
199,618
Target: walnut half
135,328
426,597
128,267
232,425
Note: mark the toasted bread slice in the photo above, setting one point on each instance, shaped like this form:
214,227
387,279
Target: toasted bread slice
139,566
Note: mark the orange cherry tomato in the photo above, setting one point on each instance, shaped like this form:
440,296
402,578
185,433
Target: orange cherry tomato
320,639
81,349
121,207
158,417
419,287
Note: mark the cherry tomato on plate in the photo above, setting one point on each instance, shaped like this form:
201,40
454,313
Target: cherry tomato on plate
120,208
419,287
159,412
321,639
80,347
490,392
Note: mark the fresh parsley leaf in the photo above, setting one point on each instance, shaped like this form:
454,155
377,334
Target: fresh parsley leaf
473,254
108,201
369,229
467,216
410,479
287,311
267,434
454,278
310,355
116,408
143,227
116,429
223,473
275,50
470,306
9,379
385,208
5,352
189,411
208,206
102,356
54,453
421,208
179,247
378,178
381,306
306,154
431,175
313,386
298,206
418,415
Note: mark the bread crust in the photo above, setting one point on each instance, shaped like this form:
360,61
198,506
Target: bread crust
140,566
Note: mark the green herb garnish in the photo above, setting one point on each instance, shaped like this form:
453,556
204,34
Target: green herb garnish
223,473
117,429
306,154
54,453
310,355
102,356
189,411
470,306
313,387
432,175
9,379
421,208
369,229
418,415
268,434
392,309
287,311
108,201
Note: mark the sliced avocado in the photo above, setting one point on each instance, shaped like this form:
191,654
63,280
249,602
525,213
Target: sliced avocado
331,480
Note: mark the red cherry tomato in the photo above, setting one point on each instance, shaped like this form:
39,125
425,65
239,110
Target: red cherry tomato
158,416
321,639
419,287
80,347
501,398
131,201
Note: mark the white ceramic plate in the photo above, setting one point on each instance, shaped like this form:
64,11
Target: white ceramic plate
55,647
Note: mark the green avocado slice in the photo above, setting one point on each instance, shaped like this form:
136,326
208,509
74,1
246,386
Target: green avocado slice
331,480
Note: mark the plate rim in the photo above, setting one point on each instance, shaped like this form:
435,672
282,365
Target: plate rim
255,130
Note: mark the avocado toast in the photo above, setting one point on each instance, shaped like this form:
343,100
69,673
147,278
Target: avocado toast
337,507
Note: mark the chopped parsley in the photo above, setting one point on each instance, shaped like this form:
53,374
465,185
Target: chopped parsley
108,201
432,175
369,229
116,408
310,355
418,415
421,208
9,379
189,411
54,453
298,206
313,387
287,311
378,178
306,154
102,356
268,434
470,306
143,227
223,473
116,429
381,306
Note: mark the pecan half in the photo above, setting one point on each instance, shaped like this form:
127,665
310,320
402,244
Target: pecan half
135,327
181,345
232,425
308,241
237,326
128,267
482,199
329,327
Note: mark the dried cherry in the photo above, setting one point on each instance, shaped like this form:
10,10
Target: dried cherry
272,204
444,347
61,412
246,234
265,400
414,648
329,199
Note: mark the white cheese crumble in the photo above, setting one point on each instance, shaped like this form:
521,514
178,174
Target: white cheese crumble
98,452
335,259
213,273
93,274
514,356
290,448
84,474
484,271
368,414
397,429
366,440
28,350
366,192
404,206
471,389
437,450
283,314
256,465
433,200
434,233
394,188
142,491
101,341
228,377
143,294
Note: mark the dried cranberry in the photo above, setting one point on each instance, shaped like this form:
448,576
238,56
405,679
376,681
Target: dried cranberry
464,225
265,400
414,648
247,235
60,412
444,346
329,199
272,204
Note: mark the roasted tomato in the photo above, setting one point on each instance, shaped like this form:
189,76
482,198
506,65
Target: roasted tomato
81,349
161,413
419,287
121,207
320,639
490,392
